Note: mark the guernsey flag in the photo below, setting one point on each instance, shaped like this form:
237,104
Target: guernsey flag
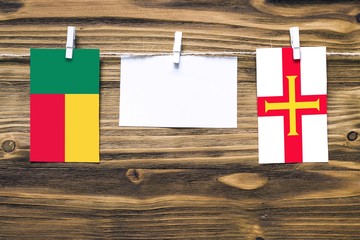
64,105
292,115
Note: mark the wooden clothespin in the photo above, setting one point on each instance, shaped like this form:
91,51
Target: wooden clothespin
295,42
70,42
177,47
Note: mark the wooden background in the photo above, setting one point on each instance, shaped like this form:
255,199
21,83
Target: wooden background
180,183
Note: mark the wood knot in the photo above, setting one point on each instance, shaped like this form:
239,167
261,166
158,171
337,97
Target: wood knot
8,146
259,238
245,181
135,176
352,136
358,18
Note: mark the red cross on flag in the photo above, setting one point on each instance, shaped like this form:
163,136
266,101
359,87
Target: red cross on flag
292,115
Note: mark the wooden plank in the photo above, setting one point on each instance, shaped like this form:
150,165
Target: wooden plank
180,183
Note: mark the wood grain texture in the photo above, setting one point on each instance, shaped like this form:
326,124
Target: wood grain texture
166,183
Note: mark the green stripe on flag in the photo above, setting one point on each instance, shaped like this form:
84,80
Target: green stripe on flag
52,73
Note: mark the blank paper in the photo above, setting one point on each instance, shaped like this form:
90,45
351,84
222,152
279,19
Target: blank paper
200,92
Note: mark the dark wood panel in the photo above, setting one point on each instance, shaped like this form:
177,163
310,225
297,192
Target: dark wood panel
165,183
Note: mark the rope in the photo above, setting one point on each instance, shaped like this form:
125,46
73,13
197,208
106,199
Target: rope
127,54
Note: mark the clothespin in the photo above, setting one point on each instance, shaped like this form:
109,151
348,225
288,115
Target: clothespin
295,42
70,42
177,47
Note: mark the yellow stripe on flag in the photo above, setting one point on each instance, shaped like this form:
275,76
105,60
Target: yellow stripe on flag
82,128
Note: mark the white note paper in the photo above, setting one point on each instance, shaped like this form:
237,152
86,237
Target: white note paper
200,92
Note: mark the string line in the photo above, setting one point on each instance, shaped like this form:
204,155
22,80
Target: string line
129,54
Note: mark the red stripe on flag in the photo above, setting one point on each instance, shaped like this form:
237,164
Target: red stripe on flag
293,144
47,127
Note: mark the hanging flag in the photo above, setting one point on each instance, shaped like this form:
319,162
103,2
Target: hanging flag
64,105
292,115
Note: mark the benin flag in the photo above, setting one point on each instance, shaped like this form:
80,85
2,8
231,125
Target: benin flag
292,116
64,105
